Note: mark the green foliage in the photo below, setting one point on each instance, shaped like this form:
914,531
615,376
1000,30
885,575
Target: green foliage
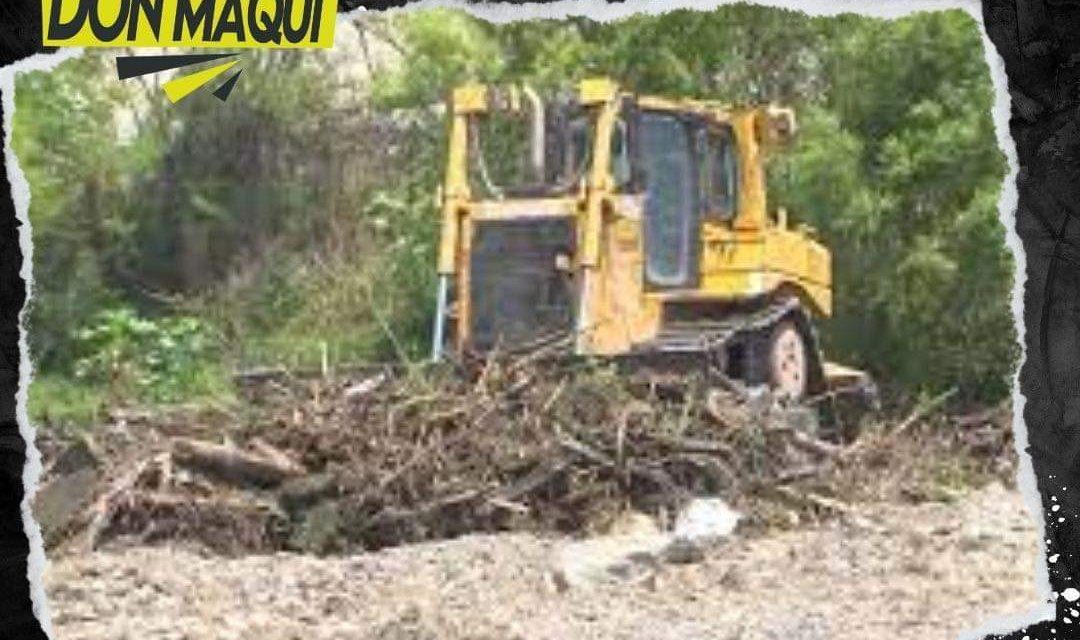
61,403
443,47
368,291
66,142
298,220
167,360
898,168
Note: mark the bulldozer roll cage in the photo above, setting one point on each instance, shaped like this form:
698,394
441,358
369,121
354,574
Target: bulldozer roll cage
606,217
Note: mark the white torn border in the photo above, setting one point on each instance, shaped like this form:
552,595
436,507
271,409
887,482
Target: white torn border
601,11
20,195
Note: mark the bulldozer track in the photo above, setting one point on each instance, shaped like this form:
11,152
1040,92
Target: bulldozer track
703,336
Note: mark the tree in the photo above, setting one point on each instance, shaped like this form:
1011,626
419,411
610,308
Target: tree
302,217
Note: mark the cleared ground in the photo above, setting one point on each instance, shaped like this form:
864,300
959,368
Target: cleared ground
925,571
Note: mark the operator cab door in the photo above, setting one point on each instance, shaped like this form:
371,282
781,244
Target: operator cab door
667,155
719,173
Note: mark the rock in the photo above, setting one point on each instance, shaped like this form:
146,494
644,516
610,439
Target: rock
60,501
705,520
73,481
632,547
80,454
635,547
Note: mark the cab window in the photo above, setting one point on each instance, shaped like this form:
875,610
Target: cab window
721,173
672,200
621,171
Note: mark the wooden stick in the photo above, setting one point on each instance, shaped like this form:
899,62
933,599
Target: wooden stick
921,411
694,445
533,480
814,445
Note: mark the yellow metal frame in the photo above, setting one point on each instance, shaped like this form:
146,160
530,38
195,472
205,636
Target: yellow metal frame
753,255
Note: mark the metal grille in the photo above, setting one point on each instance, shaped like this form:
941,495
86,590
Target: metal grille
517,294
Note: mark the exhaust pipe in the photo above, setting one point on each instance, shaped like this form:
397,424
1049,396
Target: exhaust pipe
536,140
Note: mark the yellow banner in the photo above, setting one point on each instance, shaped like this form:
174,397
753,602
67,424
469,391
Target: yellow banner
269,24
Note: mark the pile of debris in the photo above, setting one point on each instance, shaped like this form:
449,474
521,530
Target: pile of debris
329,464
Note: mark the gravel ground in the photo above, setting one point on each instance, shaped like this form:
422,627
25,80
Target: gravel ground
928,571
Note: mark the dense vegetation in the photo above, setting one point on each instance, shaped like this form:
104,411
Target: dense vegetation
295,224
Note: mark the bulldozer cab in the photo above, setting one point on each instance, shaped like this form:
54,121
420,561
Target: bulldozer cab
684,166
613,223
687,168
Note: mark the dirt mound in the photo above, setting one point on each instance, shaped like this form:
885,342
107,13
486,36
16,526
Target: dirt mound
926,571
329,464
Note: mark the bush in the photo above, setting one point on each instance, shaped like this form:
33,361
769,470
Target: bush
166,360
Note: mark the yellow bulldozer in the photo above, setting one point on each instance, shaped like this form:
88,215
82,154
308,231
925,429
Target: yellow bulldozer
631,226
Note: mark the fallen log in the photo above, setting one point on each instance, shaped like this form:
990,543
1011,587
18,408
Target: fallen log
277,456
233,465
